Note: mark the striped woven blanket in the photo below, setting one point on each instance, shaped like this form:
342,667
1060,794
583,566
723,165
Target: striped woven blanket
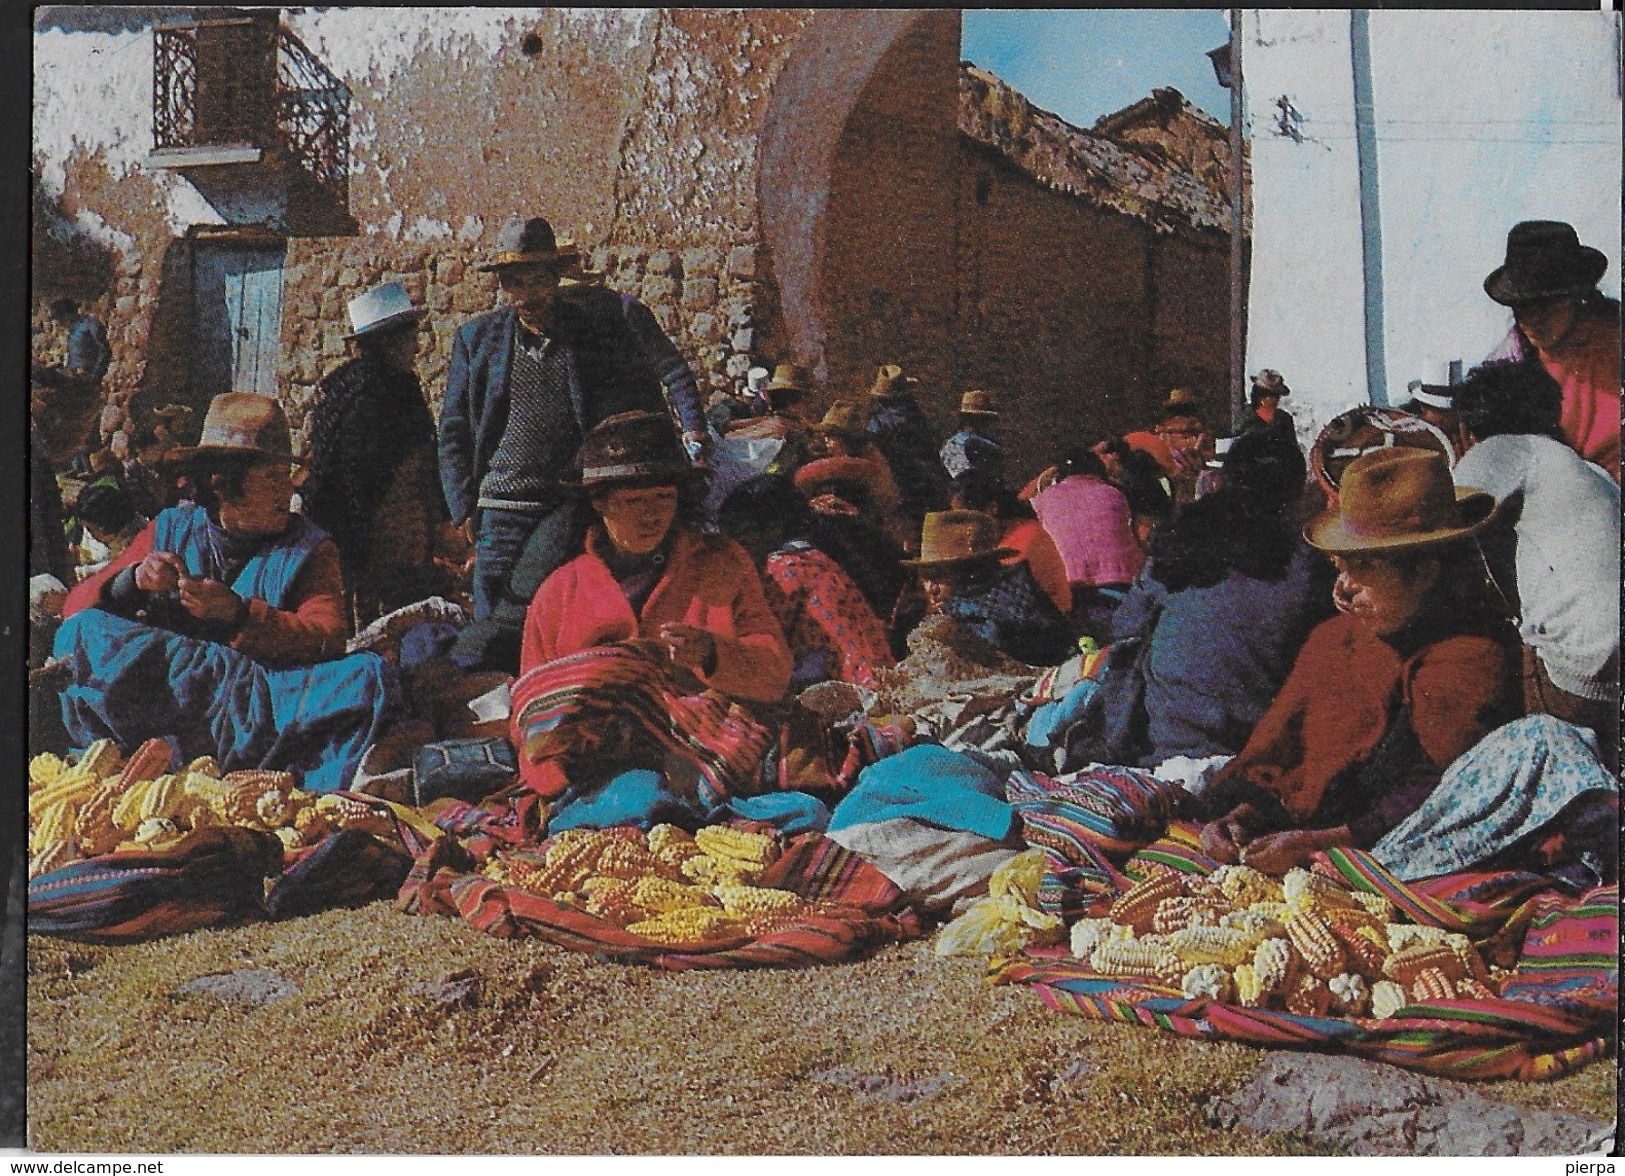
859,908
1554,1013
600,703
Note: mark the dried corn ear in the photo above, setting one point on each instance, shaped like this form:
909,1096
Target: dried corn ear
73,786
1321,952
1306,890
1350,993
290,838
1137,908
1378,906
101,758
692,925
1173,914
1432,984
151,760
53,825
710,871
1474,989
1088,934
757,900
1209,980
52,857
1210,945
260,778
272,809
723,841
43,769
658,895
1249,992
1403,965
1403,935
157,833
1367,948
93,827
1387,998
1245,886
1272,961
311,825
204,765
1254,923
1308,996
1137,958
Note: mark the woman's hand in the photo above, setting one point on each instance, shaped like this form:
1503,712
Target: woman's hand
159,572
1279,852
209,600
689,647
1222,839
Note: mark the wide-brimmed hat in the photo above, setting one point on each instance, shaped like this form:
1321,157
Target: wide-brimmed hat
1544,259
890,381
825,471
846,418
1270,383
1432,393
1399,500
526,241
573,268
383,308
950,538
1365,428
789,381
1180,398
241,422
977,402
631,447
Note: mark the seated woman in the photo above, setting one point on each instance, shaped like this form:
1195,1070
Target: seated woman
832,632
1365,745
980,490
650,582
963,576
1211,628
1090,521
222,625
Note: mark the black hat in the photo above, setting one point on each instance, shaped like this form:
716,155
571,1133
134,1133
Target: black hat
1544,260
527,241
631,447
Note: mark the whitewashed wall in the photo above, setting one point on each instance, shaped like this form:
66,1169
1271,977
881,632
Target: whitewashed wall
1482,119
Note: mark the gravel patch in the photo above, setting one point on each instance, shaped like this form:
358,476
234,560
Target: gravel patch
250,986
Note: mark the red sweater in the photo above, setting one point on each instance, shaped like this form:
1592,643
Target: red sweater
709,583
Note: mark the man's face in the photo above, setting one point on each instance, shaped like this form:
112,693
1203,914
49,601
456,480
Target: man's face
262,507
1381,593
1548,322
532,291
1182,433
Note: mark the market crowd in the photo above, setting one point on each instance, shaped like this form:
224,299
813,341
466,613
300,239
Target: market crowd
1402,636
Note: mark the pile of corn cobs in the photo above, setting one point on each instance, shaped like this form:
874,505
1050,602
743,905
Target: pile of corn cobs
666,885
1301,943
103,804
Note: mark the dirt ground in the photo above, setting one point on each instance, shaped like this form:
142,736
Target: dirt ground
407,1034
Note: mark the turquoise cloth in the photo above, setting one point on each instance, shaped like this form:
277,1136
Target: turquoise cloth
788,812
931,784
643,799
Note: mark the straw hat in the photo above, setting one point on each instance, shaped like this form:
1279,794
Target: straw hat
525,241
977,402
1180,398
826,470
1399,500
1544,259
383,308
846,418
573,267
951,538
890,381
631,447
790,381
241,422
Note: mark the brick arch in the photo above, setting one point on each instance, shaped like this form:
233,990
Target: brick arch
863,93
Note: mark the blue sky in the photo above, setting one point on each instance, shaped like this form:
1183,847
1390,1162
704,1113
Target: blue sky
1083,63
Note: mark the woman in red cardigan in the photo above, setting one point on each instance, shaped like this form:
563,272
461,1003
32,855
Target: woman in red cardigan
648,577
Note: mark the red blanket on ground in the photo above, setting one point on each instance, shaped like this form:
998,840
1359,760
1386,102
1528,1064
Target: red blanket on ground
1555,1013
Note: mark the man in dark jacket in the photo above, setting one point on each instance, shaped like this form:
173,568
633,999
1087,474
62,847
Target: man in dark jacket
906,438
526,383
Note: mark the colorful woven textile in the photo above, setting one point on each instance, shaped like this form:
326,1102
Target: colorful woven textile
1554,1014
588,705
869,743
860,909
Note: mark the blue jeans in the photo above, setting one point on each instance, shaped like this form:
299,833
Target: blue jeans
514,551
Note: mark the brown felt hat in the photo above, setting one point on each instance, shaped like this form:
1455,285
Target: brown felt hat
1180,398
241,422
1399,499
950,538
528,241
977,402
787,378
1544,259
631,447
890,381
845,417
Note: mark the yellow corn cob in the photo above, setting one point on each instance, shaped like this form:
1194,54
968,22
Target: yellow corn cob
1188,911
611,898
1088,934
100,759
1138,907
54,824
1375,905
262,779
1432,984
161,798
127,808
1321,952
1469,957
156,833
1308,996
272,809
624,859
150,760
311,825
1474,989
1245,886
671,847
1367,947
1249,991
1387,998
350,813
658,895
710,871
1278,911
1203,886
93,827
723,841
52,857
1349,993
1403,935
1209,980
43,769
1272,964
1305,890
204,765
72,785
1254,924
692,925
1404,965
1210,945
757,900
209,789
290,838
1137,958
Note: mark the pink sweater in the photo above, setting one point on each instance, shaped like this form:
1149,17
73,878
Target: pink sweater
1090,522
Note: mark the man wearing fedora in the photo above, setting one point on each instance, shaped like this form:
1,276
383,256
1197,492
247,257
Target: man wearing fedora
1561,320
905,438
372,481
1268,390
526,383
973,446
222,626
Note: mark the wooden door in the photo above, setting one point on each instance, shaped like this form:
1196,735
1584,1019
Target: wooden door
237,304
